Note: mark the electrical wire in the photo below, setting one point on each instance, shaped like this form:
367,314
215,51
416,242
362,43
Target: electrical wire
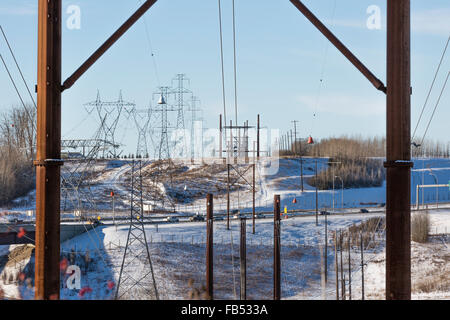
235,65
431,88
18,93
147,32
17,65
222,65
322,73
435,107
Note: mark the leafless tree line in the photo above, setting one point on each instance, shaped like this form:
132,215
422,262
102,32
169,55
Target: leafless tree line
17,148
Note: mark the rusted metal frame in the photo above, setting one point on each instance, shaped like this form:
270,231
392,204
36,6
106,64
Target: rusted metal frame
276,249
48,151
105,46
398,151
209,248
377,83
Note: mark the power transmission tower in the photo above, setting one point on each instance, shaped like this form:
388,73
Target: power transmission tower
109,114
136,278
162,109
180,92
142,122
194,118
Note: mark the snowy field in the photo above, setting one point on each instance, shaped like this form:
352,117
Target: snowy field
178,249
178,257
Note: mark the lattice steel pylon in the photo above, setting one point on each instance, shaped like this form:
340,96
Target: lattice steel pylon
162,109
142,122
180,91
109,114
136,277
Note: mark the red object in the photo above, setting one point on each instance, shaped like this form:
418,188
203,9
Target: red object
294,201
21,232
110,284
112,193
83,291
310,140
22,277
63,264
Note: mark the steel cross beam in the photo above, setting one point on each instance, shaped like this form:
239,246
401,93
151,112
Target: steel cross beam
48,151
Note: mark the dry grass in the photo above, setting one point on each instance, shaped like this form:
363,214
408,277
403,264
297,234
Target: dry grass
420,224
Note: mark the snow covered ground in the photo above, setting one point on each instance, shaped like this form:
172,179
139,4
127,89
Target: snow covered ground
178,250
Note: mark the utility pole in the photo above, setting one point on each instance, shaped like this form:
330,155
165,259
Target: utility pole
317,197
253,194
398,152
336,266
295,135
243,259
209,247
258,137
362,266
228,195
276,249
48,155
349,270
295,151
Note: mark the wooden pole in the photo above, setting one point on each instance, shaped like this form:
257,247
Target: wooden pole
228,196
258,137
277,248
336,266
317,197
254,191
209,247
349,270
243,256
362,267
48,155
342,266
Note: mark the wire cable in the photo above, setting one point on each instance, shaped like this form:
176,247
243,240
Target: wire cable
17,65
235,65
431,88
435,107
18,93
147,32
222,65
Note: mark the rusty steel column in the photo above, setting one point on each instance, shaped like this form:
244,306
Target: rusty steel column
243,259
398,152
209,247
276,249
48,153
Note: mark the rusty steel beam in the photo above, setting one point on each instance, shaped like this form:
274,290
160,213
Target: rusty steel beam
108,44
377,83
398,152
209,247
48,153
276,249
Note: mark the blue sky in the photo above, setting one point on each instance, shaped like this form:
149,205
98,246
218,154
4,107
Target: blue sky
280,60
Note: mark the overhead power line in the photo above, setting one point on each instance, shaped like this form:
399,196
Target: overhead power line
18,68
431,88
